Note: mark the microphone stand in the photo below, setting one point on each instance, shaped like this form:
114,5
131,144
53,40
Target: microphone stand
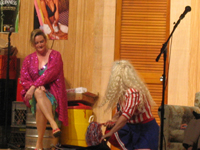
163,50
6,99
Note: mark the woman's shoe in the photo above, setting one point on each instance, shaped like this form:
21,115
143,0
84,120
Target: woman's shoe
56,132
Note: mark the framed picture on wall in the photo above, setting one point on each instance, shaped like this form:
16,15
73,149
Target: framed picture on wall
9,15
52,17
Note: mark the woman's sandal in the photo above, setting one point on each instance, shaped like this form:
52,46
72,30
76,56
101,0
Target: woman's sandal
56,132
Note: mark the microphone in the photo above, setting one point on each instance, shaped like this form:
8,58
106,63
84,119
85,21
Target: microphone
11,31
187,9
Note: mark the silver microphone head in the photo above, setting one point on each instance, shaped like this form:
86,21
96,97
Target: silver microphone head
12,29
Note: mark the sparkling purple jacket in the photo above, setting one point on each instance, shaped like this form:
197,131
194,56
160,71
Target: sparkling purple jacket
53,78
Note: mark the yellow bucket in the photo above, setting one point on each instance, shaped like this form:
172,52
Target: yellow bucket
74,133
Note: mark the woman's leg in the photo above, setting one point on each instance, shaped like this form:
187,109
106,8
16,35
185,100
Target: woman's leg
41,123
63,28
45,106
191,133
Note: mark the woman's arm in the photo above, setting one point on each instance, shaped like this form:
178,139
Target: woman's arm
118,125
45,14
55,66
132,101
116,116
56,15
25,78
29,93
110,123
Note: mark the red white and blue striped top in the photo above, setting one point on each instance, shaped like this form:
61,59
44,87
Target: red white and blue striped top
130,110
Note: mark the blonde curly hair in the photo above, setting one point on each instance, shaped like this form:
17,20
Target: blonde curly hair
123,77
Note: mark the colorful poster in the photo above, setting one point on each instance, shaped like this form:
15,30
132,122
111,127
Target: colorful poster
9,15
51,16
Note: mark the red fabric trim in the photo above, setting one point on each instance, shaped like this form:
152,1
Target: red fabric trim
148,120
113,139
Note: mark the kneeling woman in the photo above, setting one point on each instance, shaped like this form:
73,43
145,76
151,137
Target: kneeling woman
44,88
133,126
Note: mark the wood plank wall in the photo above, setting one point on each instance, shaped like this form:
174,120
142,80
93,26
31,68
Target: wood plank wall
194,63
89,51
184,74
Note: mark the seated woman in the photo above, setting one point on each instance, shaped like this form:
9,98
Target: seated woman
51,26
42,78
192,133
